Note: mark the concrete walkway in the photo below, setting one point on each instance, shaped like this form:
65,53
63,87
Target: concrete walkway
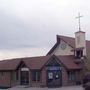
62,88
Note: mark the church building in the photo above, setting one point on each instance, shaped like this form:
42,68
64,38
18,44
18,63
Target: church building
62,66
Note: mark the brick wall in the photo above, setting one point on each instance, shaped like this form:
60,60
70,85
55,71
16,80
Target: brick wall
64,77
5,79
43,77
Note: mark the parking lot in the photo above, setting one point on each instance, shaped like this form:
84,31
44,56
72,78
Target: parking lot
34,88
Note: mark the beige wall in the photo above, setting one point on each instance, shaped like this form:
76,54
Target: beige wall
60,51
80,41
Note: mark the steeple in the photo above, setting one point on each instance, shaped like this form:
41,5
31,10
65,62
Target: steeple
79,23
80,42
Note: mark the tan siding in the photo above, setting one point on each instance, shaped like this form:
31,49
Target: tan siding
67,51
82,42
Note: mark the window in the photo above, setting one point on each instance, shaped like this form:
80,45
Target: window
2,73
71,75
16,75
36,76
13,75
79,53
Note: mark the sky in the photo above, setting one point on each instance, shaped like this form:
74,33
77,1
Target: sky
29,27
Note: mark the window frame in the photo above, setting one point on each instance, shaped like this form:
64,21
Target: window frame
71,76
36,75
79,53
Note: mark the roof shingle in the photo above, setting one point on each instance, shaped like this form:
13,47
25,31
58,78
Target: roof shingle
37,62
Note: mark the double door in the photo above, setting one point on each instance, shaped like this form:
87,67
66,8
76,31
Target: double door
24,77
54,78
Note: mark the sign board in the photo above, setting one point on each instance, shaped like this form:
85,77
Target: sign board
51,68
50,75
24,69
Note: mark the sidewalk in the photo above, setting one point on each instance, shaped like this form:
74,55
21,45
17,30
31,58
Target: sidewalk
36,88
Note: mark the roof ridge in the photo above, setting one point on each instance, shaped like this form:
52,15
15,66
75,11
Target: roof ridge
24,58
65,36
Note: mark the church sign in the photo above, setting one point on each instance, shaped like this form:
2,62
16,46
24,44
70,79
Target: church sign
24,69
51,68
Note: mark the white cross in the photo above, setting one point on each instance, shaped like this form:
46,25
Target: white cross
79,16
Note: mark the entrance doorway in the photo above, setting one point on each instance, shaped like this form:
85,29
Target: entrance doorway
54,75
24,76
54,78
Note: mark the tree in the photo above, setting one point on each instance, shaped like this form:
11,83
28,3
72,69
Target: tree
86,66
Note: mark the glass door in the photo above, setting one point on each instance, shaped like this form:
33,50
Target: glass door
24,77
54,78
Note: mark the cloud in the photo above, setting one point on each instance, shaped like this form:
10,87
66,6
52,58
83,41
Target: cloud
35,23
15,33
12,31
23,52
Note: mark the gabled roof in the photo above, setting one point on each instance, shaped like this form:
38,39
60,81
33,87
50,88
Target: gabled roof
70,41
37,62
68,62
30,62
9,64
